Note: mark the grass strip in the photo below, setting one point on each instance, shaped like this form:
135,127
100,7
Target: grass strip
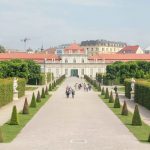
11,131
29,88
140,132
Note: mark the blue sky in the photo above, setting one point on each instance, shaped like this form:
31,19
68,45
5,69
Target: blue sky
54,22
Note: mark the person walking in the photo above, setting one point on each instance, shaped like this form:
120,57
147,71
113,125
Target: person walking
73,93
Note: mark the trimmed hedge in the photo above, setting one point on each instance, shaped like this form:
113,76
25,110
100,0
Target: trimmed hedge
21,87
128,89
6,91
41,81
49,77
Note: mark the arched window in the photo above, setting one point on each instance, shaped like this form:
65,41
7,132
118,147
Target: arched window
74,60
66,60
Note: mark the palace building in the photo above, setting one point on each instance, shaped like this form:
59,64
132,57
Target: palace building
74,61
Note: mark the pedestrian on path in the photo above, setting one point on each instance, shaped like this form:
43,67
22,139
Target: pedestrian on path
115,89
73,93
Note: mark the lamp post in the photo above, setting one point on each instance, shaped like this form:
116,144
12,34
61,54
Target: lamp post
132,89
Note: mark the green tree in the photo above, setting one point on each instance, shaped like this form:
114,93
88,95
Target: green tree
124,109
2,49
38,99
111,98
14,117
136,120
117,102
25,107
33,101
149,138
43,93
1,136
107,94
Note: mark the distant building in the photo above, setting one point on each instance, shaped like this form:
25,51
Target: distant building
94,47
147,50
49,51
131,50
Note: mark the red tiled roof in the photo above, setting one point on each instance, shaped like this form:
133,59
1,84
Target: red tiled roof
121,57
129,49
35,56
74,47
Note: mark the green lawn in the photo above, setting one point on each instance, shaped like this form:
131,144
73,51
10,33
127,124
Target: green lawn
29,88
10,131
140,132
121,89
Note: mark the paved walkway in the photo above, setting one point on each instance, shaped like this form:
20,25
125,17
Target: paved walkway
83,123
144,112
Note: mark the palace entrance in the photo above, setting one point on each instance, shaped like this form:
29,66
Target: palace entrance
74,72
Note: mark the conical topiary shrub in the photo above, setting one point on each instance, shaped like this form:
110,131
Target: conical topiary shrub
149,138
111,98
1,137
25,107
43,93
50,87
38,98
99,88
107,94
117,102
33,101
46,91
136,120
124,109
14,117
54,84
103,92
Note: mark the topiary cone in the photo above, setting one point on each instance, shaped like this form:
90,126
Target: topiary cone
38,99
136,120
1,137
50,87
14,117
103,92
107,94
46,91
25,107
111,98
124,109
149,138
117,102
33,101
43,93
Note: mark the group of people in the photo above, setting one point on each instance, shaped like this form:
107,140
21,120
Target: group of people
70,91
79,86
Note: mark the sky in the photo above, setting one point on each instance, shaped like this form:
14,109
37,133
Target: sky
54,22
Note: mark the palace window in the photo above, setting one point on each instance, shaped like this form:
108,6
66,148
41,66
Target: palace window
82,60
74,60
66,60
66,71
82,72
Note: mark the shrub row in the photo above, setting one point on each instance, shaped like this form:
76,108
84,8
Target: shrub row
128,89
59,80
21,87
6,91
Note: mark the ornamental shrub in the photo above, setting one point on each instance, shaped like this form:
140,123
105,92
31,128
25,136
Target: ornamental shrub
38,98
149,138
136,120
46,91
99,88
117,102
111,98
124,109
43,93
1,137
21,87
50,87
107,94
25,107
33,101
103,92
14,117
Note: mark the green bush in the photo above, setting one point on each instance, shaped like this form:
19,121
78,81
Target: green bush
33,101
6,91
128,89
43,93
136,120
46,91
124,109
50,87
25,107
1,136
38,99
111,98
41,80
21,87
149,138
49,77
58,81
107,94
103,91
14,117
117,102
